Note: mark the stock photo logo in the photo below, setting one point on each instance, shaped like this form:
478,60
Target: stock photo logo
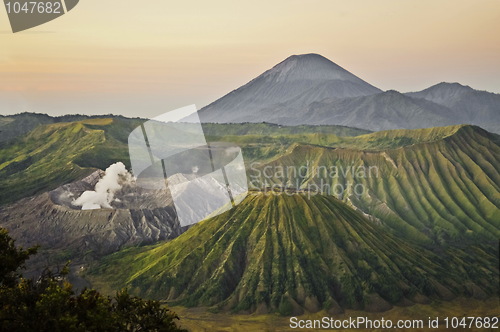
25,15
168,153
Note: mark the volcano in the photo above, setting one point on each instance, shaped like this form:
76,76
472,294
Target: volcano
294,83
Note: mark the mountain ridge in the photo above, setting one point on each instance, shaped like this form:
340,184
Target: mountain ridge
445,189
290,254
310,89
425,228
468,105
284,82
436,197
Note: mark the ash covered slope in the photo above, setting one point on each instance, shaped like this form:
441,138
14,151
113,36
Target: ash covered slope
294,83
53,222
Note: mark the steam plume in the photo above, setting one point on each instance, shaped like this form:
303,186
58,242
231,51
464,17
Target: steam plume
115,177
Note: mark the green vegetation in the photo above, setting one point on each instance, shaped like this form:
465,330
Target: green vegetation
17,125
425,227
434,220
60,152
432,192
280,253
50,304
55,154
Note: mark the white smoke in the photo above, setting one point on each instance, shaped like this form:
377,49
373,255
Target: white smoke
103,195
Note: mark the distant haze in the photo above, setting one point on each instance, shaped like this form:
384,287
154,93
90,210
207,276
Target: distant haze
135,59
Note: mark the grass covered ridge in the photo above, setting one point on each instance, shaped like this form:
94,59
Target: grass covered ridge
275,253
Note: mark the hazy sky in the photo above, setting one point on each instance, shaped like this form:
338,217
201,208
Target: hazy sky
143,58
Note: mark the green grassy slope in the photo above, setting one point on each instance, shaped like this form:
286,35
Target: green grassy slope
264,141
55,154
16,125
280,253
269,145
12,126
427,225
391,139
436,191
51,154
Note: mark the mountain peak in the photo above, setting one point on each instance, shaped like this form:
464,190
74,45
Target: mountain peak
309,66
450,86
307,56
292,84
467,105
442,93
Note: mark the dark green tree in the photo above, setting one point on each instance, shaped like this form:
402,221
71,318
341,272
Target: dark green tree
11,259
49,302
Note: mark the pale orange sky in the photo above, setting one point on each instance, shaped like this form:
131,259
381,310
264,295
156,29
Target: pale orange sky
143,58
